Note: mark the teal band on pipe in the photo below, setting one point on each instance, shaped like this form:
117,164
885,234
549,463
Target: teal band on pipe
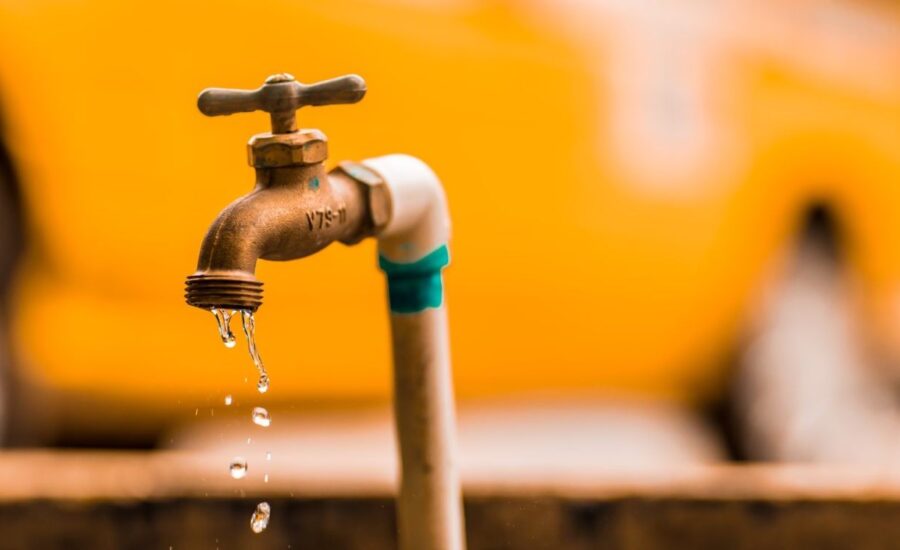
416,286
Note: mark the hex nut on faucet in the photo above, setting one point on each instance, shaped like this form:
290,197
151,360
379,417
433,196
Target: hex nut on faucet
298,148
378,197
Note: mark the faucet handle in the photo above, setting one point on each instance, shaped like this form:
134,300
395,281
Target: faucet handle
280,96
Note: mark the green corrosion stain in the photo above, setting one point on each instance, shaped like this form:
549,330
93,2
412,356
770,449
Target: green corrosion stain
416,286
314,183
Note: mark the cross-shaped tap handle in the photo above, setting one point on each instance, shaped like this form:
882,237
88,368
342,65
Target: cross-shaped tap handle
280,96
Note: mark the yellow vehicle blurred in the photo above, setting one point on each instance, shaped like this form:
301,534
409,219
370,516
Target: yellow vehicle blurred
621,177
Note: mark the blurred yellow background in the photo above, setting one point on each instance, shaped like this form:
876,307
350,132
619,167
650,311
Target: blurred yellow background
620,177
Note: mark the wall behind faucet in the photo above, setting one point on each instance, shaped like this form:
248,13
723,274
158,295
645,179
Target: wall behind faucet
619,180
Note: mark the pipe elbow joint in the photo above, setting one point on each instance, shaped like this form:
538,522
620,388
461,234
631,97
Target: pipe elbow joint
420,221
412,246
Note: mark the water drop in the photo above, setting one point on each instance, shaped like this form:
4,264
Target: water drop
268,455
260,519
228,400
238,467
249,324
223,322
249,441
196,412
261,417
266,478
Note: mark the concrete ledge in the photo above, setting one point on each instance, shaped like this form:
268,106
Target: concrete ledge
103,500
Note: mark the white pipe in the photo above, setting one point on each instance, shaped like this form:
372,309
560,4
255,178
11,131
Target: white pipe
412,251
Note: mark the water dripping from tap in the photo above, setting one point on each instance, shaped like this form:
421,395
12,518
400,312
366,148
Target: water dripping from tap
249,325
260,519
261,417
238,467
223,322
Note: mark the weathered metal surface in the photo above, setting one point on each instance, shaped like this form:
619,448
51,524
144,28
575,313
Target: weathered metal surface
295,209
297,148
280,96
378,198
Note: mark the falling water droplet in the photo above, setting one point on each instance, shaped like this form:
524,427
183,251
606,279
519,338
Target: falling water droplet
260,519
261,417
249,324
266,478
249,441
223,322
228,400
238,467
268,455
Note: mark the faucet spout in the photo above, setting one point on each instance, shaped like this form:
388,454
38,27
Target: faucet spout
292,212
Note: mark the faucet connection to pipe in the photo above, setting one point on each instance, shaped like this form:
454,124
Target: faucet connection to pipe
296,209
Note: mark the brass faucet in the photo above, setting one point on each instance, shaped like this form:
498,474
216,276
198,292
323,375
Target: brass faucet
295,208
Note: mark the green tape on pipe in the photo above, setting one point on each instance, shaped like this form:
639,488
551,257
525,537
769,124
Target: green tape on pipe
416,286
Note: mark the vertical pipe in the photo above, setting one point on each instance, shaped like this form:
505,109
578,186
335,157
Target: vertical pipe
412,252
429,509
428,504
